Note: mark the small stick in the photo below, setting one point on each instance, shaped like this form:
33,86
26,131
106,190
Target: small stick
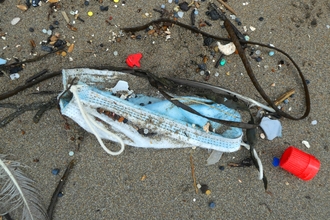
286,95
65,17
58,189
193,173
42,72
227,6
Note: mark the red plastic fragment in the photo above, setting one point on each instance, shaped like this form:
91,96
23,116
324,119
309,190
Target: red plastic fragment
134,60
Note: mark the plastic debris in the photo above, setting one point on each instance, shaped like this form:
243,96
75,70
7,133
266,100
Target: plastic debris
301,164
227,49
35,3
212,205
180,14
90,13
2,61
14,76
306,144
214,157
271,53
276,162
271,127
71,153
314,122
55,171
134,60
15,21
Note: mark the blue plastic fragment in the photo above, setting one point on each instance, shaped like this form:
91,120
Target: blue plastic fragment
276,162
162,6
35,3
271,53
3,61
212,205
55,171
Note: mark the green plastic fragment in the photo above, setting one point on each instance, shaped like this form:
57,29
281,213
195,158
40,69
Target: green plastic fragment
222,62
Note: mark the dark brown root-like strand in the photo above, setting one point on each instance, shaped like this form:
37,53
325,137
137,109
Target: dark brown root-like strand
58,189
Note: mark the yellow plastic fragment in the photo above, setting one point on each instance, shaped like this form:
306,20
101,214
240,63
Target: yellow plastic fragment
90,13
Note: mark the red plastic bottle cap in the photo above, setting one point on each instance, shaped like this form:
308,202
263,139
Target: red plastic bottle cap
134,60
299,163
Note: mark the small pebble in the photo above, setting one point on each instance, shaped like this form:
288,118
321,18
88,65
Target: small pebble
55,171
170,1
145,131
104,8
49,32
56,23
307,81
258,59
71,153
162,6
86,3
216,74
261,19
15,21
258,52
60,194
271,53
184,6
199,186
44,31
31,29
202,72
115,53
221,168
180,14
212,205
176,1
262,136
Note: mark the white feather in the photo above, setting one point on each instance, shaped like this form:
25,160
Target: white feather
17,190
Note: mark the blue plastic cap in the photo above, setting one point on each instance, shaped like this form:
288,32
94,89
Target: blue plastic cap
276,162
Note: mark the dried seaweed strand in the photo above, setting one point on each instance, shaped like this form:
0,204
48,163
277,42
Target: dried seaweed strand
28,85
193,173
58,189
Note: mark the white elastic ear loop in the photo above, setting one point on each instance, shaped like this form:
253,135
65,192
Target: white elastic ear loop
90,120
261,168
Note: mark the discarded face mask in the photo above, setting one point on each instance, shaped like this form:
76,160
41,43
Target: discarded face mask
141,119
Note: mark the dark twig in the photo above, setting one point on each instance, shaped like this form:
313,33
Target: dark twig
59,189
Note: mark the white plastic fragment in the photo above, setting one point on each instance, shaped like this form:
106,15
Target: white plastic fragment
314,122
214,157
271,127
306,144
120,86
226,49
15,21
252,28
71,153
244,28
14,76
180,14
328,26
